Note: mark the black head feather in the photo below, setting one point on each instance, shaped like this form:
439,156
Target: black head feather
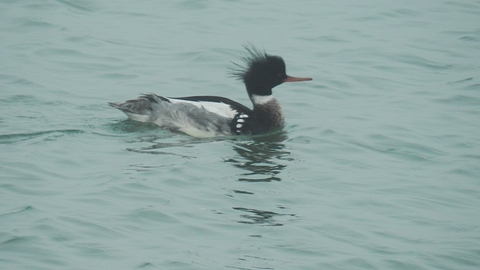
262,71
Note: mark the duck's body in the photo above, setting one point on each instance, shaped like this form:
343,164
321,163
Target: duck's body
204,116
210,116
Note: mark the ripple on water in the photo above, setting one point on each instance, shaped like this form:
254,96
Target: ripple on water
50,135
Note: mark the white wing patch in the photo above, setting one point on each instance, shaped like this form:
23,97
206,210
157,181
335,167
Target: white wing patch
221,109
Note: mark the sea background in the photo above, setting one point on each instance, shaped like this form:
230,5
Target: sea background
377,167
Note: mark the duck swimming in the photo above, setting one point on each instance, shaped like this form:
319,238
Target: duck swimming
210,116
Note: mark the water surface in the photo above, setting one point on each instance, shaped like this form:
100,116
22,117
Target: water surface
378,166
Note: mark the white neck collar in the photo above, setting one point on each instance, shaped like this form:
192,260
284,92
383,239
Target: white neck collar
260,100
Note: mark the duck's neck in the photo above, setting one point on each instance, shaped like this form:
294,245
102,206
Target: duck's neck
261,100
267,111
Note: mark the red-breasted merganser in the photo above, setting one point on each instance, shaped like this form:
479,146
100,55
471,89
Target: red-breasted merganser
209,116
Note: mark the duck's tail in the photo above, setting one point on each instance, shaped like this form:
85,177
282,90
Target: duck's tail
139,109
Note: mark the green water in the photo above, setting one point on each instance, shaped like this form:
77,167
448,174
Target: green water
378,166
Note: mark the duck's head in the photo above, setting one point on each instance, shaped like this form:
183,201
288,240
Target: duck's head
263,72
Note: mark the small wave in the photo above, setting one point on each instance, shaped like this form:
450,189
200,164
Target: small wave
460,100
79,5
422,62
20,210
17,137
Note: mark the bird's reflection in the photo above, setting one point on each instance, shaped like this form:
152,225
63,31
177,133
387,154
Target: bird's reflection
261,157
254,216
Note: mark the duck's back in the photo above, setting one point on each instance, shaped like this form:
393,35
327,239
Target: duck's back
198,116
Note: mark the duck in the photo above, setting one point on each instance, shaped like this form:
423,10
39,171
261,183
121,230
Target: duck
212,116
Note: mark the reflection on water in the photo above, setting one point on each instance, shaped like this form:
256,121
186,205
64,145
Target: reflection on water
150,133
255,216
260,158
130,126
153,150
